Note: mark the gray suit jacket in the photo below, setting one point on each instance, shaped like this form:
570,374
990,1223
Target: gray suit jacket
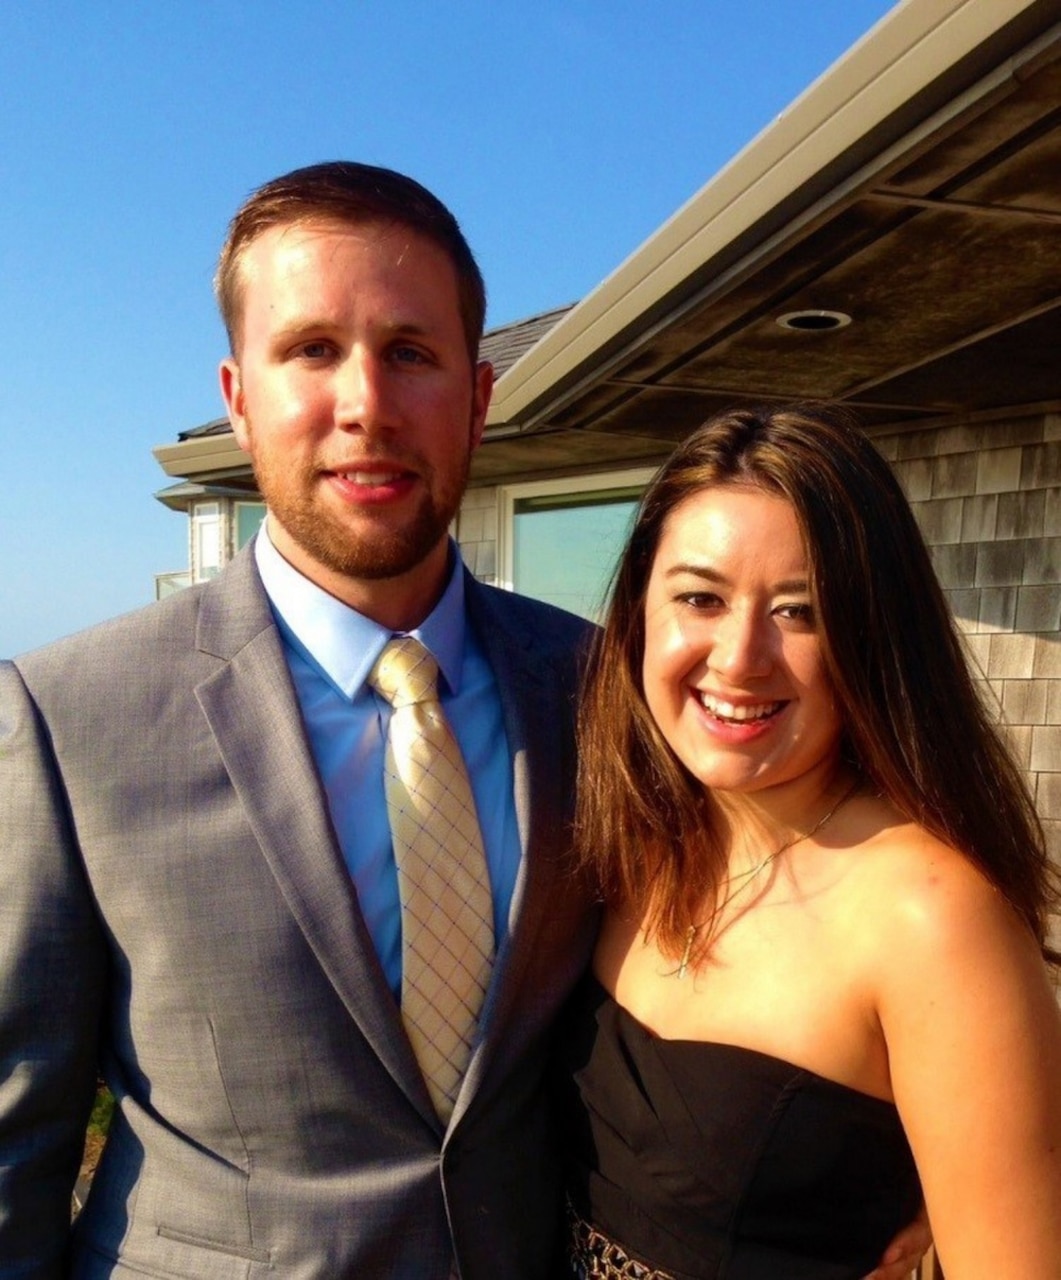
174,906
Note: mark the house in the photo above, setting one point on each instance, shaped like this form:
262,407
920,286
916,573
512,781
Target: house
892,240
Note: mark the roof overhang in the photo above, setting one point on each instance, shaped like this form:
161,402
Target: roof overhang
915,186
215,456
184,495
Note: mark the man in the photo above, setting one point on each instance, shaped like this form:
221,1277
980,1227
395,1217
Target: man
199,887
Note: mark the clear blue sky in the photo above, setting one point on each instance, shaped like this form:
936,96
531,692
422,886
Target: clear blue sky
561,132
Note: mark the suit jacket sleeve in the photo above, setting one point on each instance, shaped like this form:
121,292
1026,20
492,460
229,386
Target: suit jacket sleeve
52,967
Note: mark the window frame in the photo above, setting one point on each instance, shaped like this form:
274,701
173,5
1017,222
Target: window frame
508,495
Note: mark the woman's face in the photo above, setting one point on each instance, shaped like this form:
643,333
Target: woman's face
733,670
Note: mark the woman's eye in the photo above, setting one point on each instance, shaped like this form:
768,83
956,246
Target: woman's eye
797,613
699,600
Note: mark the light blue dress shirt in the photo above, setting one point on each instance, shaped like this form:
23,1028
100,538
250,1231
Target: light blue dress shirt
330,650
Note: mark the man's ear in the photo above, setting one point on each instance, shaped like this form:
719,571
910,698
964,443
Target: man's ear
483,386
232,391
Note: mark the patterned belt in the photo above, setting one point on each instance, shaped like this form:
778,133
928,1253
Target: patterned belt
595,1256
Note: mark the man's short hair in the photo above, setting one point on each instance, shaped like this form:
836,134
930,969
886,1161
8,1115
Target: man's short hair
347,192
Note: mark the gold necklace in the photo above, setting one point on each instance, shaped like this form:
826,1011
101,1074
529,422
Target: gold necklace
748,877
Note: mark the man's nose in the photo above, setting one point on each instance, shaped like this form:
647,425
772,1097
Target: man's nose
361,392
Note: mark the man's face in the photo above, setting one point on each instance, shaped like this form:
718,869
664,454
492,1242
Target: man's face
353,393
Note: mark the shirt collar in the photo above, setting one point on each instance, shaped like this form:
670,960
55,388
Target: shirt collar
342,643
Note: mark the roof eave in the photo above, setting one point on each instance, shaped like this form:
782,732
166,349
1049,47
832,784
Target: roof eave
818,141
215,456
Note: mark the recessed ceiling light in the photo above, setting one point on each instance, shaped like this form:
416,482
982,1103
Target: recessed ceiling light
814,321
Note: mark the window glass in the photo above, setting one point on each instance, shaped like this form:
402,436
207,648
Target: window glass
565,546
168,583
249,516
206,540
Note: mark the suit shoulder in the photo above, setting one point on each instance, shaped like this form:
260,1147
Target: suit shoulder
545,621
150,628
211,618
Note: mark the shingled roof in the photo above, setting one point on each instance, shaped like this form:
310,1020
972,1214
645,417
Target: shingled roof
504,345
215,427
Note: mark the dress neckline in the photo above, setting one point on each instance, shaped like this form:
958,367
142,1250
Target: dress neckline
725,1047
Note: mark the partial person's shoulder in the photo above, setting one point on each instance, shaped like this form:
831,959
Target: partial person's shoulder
133,663
934,883
544,623
931,904
155,631
104,642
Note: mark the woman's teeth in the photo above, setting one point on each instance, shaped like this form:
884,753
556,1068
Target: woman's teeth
727,710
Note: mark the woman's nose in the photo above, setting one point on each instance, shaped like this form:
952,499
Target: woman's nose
741,648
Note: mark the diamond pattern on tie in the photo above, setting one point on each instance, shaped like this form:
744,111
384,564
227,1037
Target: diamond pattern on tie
447,916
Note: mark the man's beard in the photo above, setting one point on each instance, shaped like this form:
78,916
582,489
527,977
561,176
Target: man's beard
389,552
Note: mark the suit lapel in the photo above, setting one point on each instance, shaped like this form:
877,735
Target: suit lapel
532,691
253,712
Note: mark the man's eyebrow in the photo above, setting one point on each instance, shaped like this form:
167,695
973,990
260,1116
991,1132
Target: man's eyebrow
295,325
298,326
398,325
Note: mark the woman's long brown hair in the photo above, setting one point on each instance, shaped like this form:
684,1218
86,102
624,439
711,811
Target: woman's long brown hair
915,724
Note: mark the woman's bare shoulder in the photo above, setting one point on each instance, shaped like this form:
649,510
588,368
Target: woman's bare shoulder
920,897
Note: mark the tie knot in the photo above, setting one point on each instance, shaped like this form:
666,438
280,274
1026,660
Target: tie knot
405,672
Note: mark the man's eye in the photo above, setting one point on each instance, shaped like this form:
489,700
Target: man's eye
314,350
409,355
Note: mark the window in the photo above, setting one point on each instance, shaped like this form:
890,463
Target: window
168,583
249,516
206,540
561,539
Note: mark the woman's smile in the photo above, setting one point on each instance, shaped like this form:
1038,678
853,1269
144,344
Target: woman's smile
733,670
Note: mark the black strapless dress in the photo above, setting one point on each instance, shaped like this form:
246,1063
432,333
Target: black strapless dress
707,1160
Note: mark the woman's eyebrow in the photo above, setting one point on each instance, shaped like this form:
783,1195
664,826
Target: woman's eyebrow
708,574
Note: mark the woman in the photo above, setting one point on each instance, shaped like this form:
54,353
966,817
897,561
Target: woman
819,990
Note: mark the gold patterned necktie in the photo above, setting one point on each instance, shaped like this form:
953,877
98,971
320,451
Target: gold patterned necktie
447,915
